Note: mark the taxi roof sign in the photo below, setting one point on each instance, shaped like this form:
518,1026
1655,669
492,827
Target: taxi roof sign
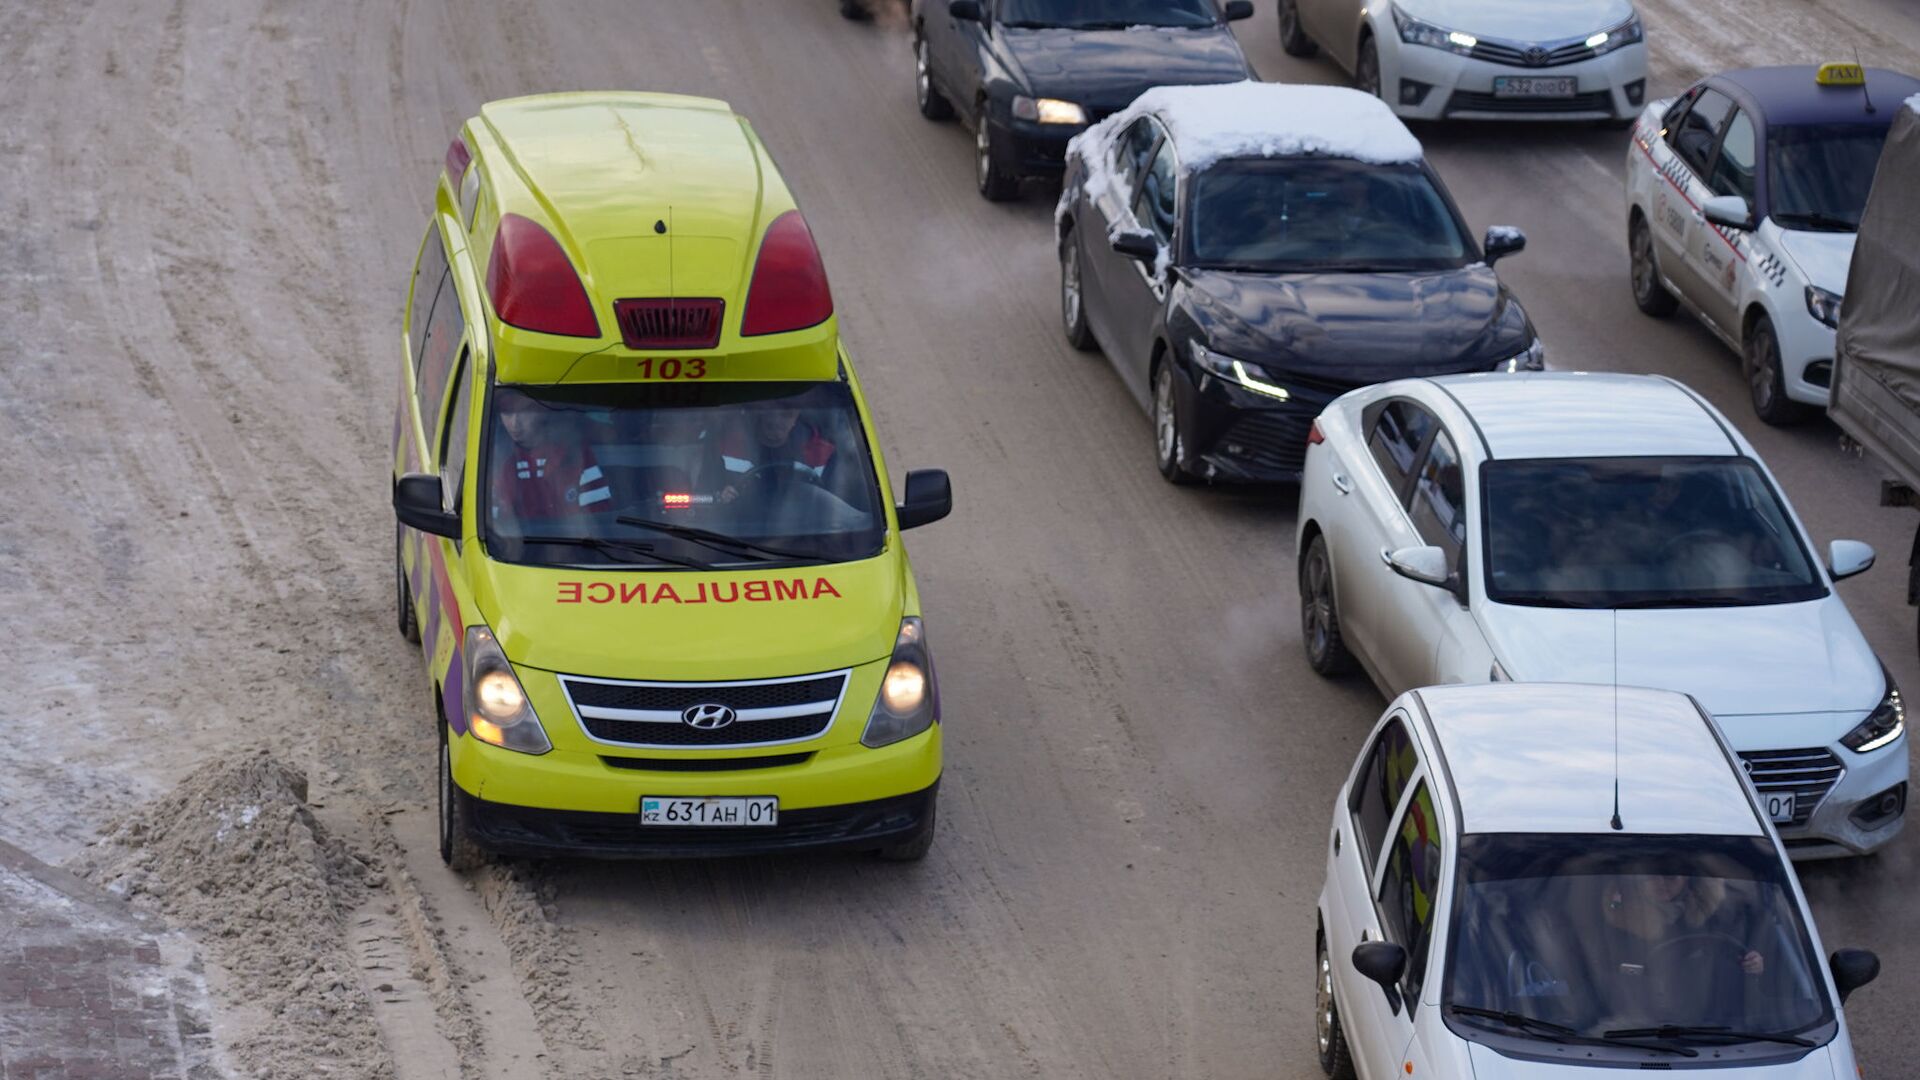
1840,75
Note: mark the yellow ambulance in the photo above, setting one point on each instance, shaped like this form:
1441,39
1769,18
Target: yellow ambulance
645,534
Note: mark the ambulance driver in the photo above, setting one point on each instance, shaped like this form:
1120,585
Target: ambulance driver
548,474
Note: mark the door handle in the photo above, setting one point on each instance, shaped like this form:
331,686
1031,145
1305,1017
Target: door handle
1386,556
1341,482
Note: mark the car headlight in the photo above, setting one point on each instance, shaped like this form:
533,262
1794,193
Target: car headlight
1533,359
1419,32
1048,110
1627,33
1823,305
498,711
909,698
1882,726
1250,376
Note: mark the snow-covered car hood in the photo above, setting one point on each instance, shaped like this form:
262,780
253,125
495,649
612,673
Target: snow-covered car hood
1491,1065
1521,20
1106,69
1822,256
1781,658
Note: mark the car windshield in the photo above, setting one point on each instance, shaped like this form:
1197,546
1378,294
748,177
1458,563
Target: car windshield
1635,941
680,475
1818,175
1640,532
1290,215
1107,14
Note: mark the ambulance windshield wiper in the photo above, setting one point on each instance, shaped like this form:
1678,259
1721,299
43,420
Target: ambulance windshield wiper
720,541
605,546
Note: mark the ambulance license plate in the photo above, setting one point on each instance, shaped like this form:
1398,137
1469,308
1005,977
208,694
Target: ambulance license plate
1779,806
670,811
1532,86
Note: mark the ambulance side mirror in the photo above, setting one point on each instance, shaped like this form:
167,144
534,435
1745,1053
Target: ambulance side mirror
929,498
417,503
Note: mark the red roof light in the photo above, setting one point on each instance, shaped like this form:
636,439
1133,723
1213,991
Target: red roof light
789,289
533,286
458,158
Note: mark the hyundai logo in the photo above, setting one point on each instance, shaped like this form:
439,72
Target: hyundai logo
1537,56
708,717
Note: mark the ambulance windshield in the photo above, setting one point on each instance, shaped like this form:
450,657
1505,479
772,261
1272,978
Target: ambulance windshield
668,475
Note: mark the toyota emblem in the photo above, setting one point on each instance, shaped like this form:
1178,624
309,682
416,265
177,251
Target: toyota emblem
708,717
1537,56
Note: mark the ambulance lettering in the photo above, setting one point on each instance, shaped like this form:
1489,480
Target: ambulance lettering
728,592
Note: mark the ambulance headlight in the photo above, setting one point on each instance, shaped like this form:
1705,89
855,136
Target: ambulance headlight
909,698
497,708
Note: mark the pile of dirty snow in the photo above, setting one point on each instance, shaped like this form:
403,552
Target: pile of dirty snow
234,854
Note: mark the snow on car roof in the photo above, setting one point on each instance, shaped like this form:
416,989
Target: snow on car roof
1255,119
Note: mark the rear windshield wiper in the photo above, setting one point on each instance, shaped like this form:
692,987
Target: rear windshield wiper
609,547
719,541
1691,1031
1553,1032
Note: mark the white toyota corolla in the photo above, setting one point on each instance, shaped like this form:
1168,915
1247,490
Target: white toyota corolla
1481,59
1531,881
1594,528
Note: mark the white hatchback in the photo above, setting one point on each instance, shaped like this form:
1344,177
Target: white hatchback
1571,527
1481,59
1534,880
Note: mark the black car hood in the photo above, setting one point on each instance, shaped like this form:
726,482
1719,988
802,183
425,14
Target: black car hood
1105,70
1360,328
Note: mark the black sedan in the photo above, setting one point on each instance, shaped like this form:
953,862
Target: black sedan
1028,75
1242,273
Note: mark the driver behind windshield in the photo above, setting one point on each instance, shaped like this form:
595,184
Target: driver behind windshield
775,450
1668,938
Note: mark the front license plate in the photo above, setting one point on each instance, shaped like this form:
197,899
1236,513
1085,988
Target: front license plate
666,810
1529,86
1780,807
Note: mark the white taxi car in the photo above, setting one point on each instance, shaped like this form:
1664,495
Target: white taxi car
1743,197
1481,59
1571,527
1535,880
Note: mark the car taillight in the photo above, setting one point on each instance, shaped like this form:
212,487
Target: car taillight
1314,436
789,288
533,286
458,158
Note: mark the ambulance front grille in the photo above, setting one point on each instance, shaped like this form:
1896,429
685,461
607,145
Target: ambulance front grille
665,715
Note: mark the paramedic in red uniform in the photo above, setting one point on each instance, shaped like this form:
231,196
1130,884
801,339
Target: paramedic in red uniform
549,472
778,447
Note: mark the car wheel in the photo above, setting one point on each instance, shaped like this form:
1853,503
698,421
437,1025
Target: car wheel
1293,38
932,105
1761,361
1073,307
1319,617
1651,297
1335,1059
1169,442
915,848
1366,70
457,848
997,182
403,597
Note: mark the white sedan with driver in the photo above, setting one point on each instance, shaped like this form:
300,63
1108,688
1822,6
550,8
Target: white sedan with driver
1595,528
1507,898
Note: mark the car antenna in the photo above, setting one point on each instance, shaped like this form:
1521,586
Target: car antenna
1864,96
1617,826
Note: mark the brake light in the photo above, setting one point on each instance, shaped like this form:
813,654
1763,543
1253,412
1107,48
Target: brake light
1314,436
458,158
789,289
533,286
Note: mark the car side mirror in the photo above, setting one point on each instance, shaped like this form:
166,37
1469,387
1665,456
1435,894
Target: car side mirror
1426,565
1846,558
1852,969
968,10
1729,211
929,498
418,503
1384,963
1137,244
1237,10
1502,241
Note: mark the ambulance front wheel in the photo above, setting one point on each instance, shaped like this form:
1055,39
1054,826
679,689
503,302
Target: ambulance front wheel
457,848
916,847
